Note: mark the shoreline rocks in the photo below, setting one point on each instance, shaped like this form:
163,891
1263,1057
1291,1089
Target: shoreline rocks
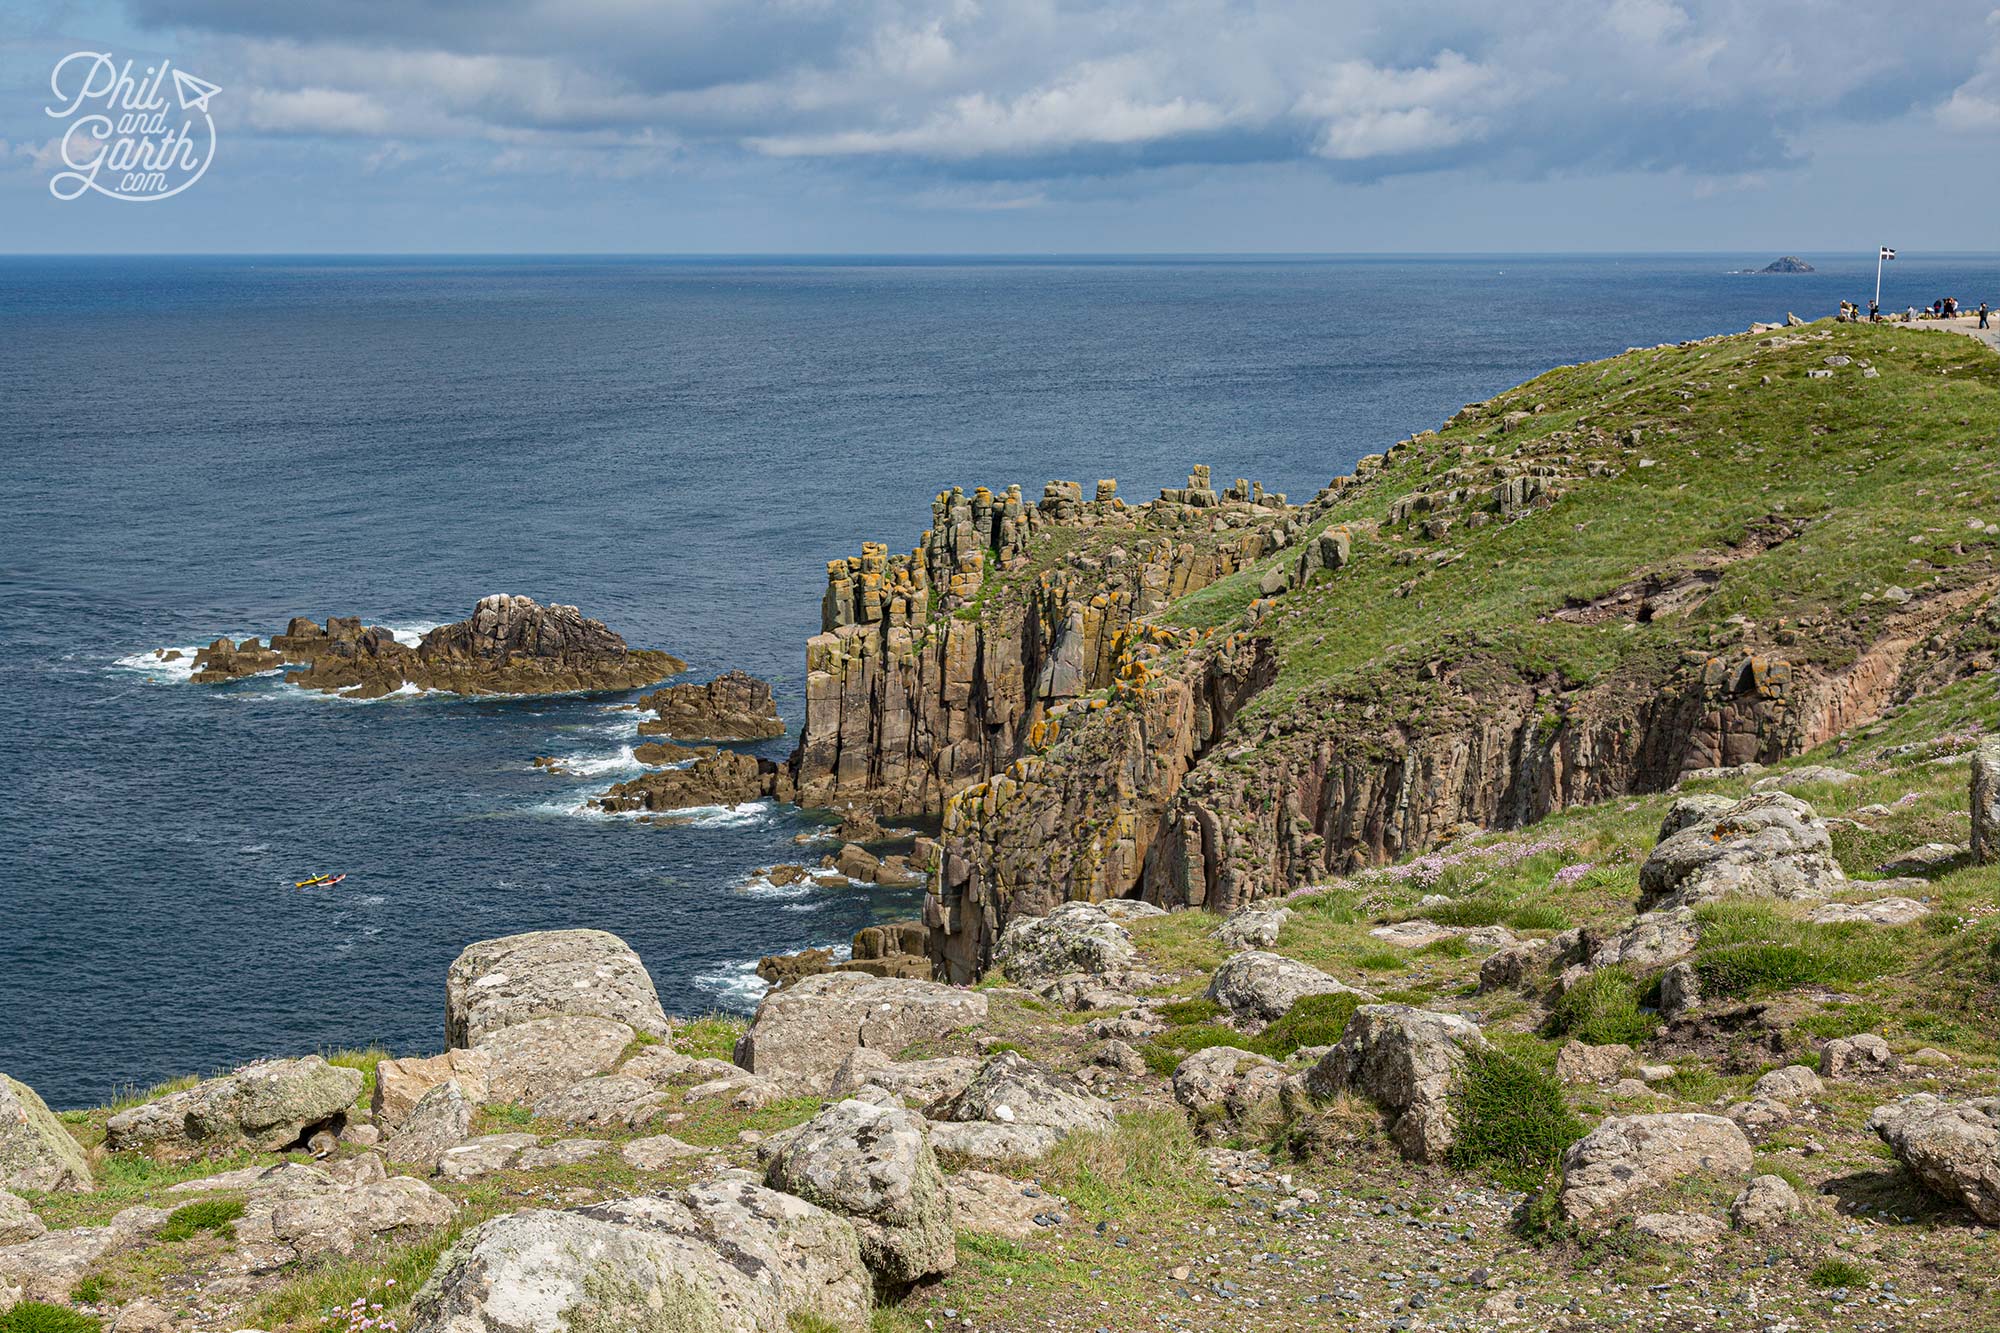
700,779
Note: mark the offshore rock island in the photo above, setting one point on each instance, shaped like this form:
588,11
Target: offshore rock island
1548,880
509,645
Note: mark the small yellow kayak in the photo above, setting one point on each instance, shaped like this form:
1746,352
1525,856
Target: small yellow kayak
308,883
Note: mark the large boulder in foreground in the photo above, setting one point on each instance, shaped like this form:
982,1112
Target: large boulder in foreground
545,973
1077,937
261,1107
1405,1059
1770,845
1630,1154
873,1165
729,1256
1953,1147
808,1030
1258,988
36,1152
533,1060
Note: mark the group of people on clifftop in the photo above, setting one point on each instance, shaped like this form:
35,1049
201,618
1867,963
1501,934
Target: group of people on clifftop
1945,307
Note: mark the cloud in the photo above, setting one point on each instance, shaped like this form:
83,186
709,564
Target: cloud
1974,106
1110,103
1366,111
1029,91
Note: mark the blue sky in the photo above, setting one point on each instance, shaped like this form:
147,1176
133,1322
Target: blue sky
851,126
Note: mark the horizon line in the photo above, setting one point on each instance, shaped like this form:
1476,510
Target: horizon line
1012,255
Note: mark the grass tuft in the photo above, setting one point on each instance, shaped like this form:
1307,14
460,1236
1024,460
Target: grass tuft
216,1215
1748,949
1833,1274
1149,1166
1603,1008
41,1317
1512,1118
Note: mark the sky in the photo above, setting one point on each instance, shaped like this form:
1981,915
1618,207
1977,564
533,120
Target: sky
1019,126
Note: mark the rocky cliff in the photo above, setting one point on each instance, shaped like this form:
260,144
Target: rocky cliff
932,669
1621,573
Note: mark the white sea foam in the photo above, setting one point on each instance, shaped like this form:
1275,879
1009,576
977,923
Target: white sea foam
597,765
177,672
736,984
255,849
757,886
732,816
578,805
803,907
412,634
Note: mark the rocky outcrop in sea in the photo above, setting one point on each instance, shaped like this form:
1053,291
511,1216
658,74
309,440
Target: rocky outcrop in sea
508,645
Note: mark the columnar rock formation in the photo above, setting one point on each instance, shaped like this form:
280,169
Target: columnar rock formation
932,668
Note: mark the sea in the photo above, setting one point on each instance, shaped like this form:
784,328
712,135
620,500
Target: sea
196,447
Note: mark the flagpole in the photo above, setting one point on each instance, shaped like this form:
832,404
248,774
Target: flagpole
1878,277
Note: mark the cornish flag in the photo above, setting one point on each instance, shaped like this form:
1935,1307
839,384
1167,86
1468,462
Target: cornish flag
1887,253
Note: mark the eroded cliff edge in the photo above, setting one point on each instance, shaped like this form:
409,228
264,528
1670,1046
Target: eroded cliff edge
1683,558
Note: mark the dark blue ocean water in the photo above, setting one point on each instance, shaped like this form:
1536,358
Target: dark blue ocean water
195,447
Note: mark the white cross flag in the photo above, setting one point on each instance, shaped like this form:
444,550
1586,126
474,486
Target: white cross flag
1887,253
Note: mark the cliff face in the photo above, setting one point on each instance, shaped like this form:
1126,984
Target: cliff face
1589,587
931,668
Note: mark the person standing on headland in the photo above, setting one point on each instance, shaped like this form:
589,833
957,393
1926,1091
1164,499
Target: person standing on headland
1874,312
1982,315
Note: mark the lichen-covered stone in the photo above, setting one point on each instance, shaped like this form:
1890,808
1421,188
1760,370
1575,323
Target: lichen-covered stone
1228,1081
873,1165
261,1107
808,1030
1405,1059
1771,845
729,1256
1259,988
1075,938
1953,1147
36,1152
542,1056
1629,1154
497,983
